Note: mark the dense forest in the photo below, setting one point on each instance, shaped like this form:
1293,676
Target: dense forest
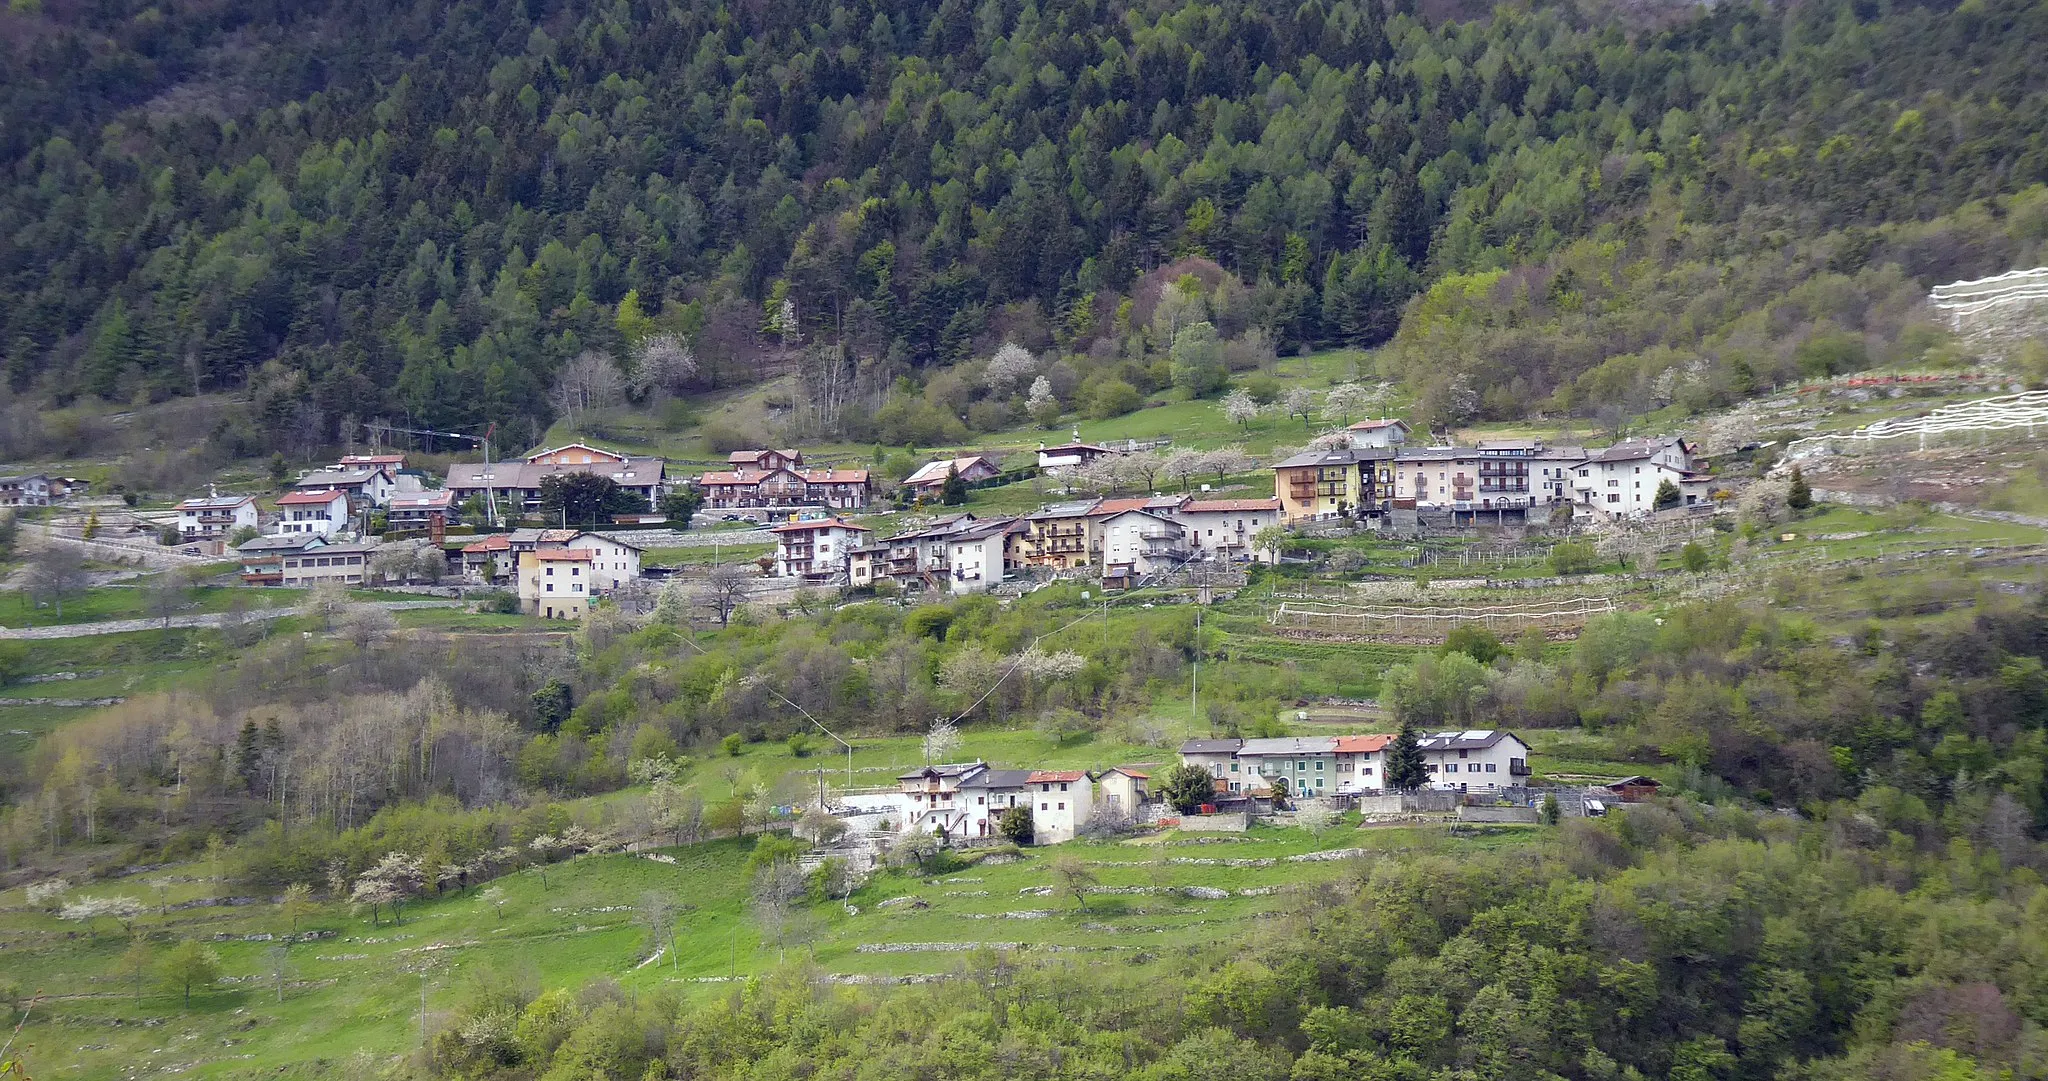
374,209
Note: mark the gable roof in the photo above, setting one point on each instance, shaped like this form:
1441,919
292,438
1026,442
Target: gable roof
280,542
1074,447
1471,739
612,454
1211,746
817,524
1227,506
1105,508
1376,425
1136,775
218,502
935,472
1284,745
1077,509
983,530
1053,776
439,497
501,542
739,456
313,499
563,555
944,769
998,778
1362,744
335,478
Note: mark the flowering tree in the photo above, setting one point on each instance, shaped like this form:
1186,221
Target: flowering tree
1240,409
1011,365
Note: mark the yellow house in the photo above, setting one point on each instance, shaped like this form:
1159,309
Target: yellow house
556,583
1327,483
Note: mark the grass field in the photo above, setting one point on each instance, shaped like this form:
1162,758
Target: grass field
360,988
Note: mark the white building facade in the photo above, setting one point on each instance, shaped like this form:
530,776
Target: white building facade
1476,760
817,549
1064,801
321,513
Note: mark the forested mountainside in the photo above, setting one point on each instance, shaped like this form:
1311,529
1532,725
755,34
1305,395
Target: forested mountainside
374,208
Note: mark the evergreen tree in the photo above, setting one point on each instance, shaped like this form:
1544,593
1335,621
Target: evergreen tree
1406,770
249,756
1798,496
954,491
1667,495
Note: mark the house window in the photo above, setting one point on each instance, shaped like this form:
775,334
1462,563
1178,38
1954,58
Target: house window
1490,768
1063,788
1319,765
1044,807
1365,771
1233,767
1613,498
1462,754
1450,767
1063,806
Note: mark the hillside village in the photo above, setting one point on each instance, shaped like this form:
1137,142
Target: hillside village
366,518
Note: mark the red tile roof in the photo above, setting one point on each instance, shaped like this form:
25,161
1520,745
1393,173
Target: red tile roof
1230,505
1362,744
554,555
499,543
1129,772
1047,776
319,499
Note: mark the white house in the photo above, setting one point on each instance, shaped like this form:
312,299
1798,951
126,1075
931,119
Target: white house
1139,542
987,794
817,549
1306,763
1224,528
321,513
613,562
1067,457
368,485
1478,759
1123,790
1217,758
215,517
1065,800
977,556
1622,480
32,490
933,800
1361,763
1377,433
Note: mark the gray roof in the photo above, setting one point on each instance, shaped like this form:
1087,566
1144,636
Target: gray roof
997,778
1211,746
633,473
286,542
1472,739
335,478
1434,454
944,769
984,530
1325,458
350,548
219,502
1634,450
1066,510
1287,745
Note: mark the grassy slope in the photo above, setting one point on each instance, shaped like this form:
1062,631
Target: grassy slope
359,991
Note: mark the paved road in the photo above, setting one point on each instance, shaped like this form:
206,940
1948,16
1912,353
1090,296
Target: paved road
210,619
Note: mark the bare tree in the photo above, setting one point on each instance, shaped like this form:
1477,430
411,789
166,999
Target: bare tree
56,572
1148,464
366,625
591,381
169,592
725,589
662,366
658,912
1070,875
325,601
777,888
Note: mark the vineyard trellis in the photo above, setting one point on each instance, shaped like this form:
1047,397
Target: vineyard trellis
2005,413
1425,621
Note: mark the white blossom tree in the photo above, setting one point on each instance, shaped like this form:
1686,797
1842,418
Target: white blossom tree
1240,409
1299,402
122,910
662,366
1346,400
1182,465
1043,405
940,740
1011,365
1223,461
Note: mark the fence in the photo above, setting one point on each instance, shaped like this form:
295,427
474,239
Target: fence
2004,413
1404,621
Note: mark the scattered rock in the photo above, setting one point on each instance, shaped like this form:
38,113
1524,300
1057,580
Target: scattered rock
1204,893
